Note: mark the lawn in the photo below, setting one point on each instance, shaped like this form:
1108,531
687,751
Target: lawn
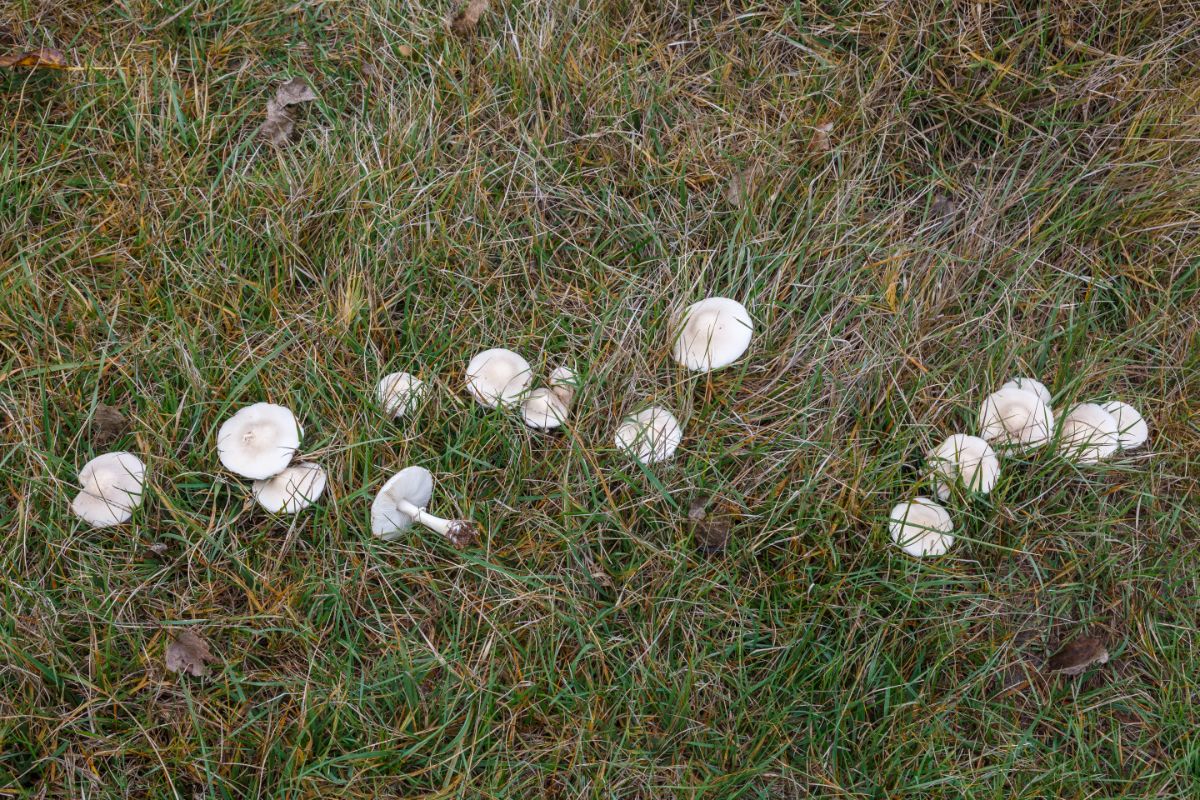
916,202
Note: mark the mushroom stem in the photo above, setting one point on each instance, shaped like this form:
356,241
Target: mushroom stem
459,532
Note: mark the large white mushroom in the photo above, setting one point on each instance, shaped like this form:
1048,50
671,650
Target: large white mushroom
1030,385
1132,431
650,435
921,527
1018,417
498,377
1089,434
711,334
112,488
963,459
402,501
294,489
547,408
258,441
399,393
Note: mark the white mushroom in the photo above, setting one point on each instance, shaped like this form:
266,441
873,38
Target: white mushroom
402,501
548,408
921,528
650,435
1132,431
498,377
1017,417
399,393
258,441
1089,434
112,488
292,490
964,459
1030,385
564,382
711,334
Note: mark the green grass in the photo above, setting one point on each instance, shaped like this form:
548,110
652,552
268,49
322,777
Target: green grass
1008,188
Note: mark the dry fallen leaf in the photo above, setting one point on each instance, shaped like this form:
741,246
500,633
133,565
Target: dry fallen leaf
740,187
43,57
281,120
710,530
108,425
467,17
821,142
188,653
1077,655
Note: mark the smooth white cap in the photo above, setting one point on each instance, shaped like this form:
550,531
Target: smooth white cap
412,484
1089,434
921,528
1015,416
112,488
964,459
711,334
1030,385
498,377
544,409
650,435
258,441
1132,431
292,490
399,393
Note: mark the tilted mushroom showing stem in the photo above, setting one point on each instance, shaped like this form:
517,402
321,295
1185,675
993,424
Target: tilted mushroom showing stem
294,489
547,408
399,393
921,527
963,459
1089,434
112,488
258,441
650,435
498,377
711,334
402,501
1016,417
1132,431
1030,385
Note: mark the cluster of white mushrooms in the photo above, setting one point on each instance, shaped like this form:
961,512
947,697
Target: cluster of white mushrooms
260,441
1016,418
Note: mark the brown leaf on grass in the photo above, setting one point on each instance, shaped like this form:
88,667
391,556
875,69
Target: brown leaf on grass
42,57
188,653
108,425
740,187
711,531
821,141
464,20
281,119
1077,655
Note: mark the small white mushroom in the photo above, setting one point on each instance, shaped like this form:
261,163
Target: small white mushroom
258,441
650,435
402,501
294,489
564,383
112,488
547,408
921,527
711,334
1017,417
498,377
1089,434
964,459
1030,385
399,393
1132,431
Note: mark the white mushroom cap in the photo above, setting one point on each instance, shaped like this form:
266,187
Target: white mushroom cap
399,393
1015,416
1132,430
544,409
258,441
412,485
921,528
564,382
498,377
964,459
1030,385
650,435
112,488
292,490
711,334
1089,434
